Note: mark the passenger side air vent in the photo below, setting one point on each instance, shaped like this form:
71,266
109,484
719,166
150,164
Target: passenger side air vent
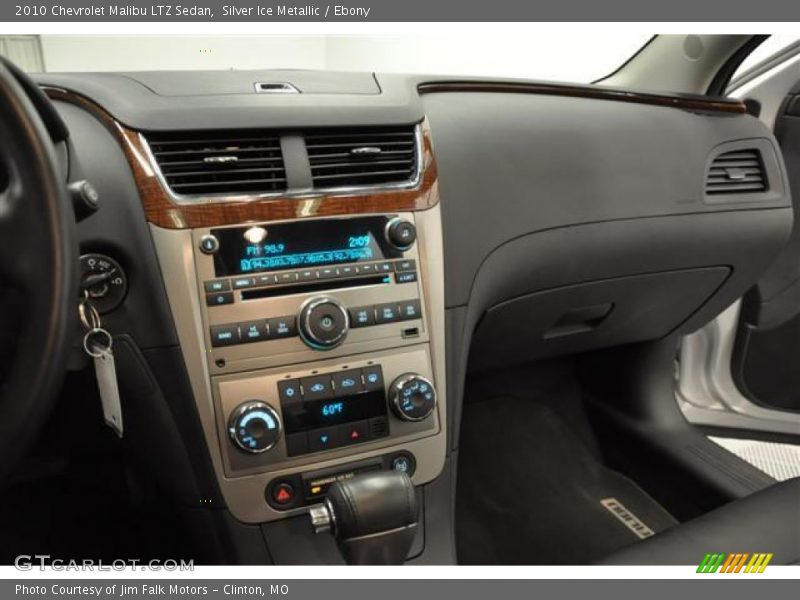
362,157
202,162
736,172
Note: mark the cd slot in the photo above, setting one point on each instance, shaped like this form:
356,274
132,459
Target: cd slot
314,286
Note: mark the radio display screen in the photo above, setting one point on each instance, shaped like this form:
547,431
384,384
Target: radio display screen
299,245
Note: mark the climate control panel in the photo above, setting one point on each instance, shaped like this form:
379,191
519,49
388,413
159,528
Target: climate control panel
329,409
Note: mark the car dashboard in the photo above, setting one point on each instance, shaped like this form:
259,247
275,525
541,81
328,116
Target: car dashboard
309,277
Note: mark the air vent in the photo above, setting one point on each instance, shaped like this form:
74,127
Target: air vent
195,163
737,172
363,157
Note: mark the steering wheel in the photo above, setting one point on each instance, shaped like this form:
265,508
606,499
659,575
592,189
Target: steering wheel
38,269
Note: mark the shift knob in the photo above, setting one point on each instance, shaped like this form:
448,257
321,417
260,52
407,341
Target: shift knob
373,517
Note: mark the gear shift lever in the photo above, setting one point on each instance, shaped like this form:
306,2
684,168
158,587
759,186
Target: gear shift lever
373,517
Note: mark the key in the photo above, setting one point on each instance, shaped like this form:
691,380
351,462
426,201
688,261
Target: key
97,343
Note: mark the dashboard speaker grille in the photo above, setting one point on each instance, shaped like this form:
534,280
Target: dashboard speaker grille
202,163
736,172
362,156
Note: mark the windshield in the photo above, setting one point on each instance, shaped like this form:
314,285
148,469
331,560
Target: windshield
553,56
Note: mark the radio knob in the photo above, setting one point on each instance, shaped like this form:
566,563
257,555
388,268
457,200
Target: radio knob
209,244
401,233
323,323
254,427
412,397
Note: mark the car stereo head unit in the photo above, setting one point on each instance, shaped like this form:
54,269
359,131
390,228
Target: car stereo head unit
279,293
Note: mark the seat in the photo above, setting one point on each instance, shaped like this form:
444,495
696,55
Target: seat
766,521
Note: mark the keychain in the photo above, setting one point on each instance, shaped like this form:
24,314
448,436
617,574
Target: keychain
97,343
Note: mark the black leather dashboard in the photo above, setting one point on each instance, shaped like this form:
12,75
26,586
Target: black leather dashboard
568,223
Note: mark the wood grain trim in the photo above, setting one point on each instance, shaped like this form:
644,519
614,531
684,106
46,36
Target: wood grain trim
682,102
162,211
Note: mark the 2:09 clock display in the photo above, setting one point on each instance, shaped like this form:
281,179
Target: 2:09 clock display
317,243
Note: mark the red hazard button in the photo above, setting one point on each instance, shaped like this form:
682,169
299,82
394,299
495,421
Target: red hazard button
283,493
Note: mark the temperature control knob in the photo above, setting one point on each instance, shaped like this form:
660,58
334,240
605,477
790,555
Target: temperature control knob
412,397
401,233
323,323
254,427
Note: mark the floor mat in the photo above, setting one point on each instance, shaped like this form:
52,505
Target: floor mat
530,492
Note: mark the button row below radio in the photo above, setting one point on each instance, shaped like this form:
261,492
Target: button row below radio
253,331
307,275
379,314
218,291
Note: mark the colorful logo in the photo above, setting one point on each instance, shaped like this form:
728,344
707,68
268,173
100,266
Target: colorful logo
739,562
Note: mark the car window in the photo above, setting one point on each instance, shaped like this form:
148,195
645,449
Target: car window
771,46
554,56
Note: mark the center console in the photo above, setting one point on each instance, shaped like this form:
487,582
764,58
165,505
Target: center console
310,318
321,343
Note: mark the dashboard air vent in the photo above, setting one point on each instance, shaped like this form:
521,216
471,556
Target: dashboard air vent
736,172
198,162
362,157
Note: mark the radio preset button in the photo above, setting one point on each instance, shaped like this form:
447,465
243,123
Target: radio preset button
347,271
219,299
367,269
410,309
217,285
224,335
387,313
384,267
289,277
281,327
363,316
253,331
307,275
328,273
266,280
